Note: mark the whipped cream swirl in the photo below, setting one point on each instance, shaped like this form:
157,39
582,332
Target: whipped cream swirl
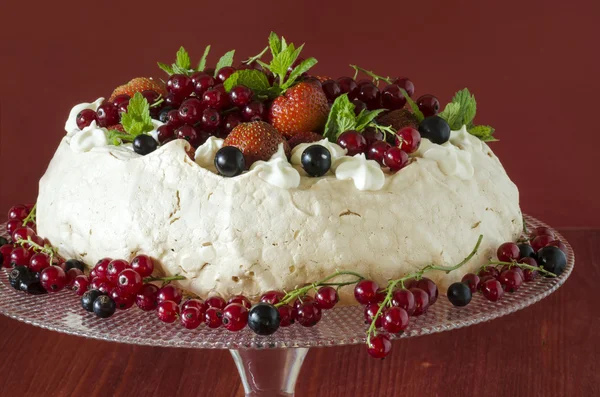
205,154
90,137
277,171
451,159
336,151
71,124
366,174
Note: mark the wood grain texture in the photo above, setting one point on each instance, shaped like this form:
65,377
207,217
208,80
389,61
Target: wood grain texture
548,349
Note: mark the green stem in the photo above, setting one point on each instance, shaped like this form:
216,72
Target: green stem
31,216
158,102
374,76
256,57
297,293
416,275
520,265
46,249
164,279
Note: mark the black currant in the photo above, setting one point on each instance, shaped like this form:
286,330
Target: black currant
459,294
264,318
87,299
229,161
552,259
144,144
16,275
316,160
31,284
435,128
74,264
104,306
162,116
526,250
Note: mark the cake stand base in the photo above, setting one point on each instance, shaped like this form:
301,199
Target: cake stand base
269,372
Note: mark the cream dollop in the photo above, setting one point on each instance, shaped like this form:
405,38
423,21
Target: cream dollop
336,151
71,124
205,154
464,140
90,137
277,171
366,174
451,159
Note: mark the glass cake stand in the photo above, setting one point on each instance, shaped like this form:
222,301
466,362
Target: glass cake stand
268,366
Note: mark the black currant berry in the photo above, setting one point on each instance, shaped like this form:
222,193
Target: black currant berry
144,144
552,259
316,160
459,294
526,250
87,299
31,284
162,116
16,275
229,161
435,128
264,318
74,264
104,306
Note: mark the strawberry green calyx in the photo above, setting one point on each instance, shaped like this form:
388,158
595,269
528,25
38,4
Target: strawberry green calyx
183,63
135,121
461,111
284,56
343,118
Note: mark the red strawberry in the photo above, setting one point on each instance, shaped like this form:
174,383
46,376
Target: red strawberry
118,127
304,137
257,141
301,108
139,84
322,78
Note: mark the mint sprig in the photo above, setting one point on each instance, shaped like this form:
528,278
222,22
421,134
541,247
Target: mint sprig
342,118
253,79
183,63
135,121
461,111
225,61
202,63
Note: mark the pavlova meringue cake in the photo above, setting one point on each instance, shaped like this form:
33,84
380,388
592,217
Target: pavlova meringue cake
216,176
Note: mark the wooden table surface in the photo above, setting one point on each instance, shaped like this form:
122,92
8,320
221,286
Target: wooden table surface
548,349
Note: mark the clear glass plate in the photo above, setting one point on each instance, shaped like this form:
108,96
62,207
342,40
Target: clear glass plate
340,326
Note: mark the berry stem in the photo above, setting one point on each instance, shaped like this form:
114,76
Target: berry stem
31,216
158,102
416,275
46,249
164,279
521,265
289,296
374,76
256,57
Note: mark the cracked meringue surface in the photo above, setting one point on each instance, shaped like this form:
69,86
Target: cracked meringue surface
243,235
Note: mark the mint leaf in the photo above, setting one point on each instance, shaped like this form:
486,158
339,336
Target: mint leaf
183,59
253,79
202,63
274,44
483,132
415,109
366,117
166,68
468,106
224,61
298,71
453,115
137,119
282,61
341,118
179,70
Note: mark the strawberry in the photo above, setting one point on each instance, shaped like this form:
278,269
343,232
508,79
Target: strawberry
322,79
304,137
139,84
117,127
257,141
302,107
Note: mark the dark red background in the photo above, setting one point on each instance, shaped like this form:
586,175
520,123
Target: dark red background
531,64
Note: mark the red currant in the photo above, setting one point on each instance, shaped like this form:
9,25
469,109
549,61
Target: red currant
173,119
488,272
511,280
370,95
23,233
121,99
327,297
240,95
115,268
430,287
180,85
216,302
365,291
130,281
254,111
190,111
240,299
543,231
213,317
166,133
123,300
370,312
395,320
428,105
541,241
287,315
404,299
211,119
20,257
304,299
508,252
13,225
308,314
190,134
348,86
196,304
235,317
81,285
492,290
39,262
396,159
421,301
379,346
353,141
272,297
472,280
71,275
169,293
377,151
107,114
406,85
151,96
167,311
560,245
231,121
146,297
359,106
5,252
102,285
18,212
214,98
191,318
143,265
202,83
392,98
100,268
408,139
331,89
53,279
224,73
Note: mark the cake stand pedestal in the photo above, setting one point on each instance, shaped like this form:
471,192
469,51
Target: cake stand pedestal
268,365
